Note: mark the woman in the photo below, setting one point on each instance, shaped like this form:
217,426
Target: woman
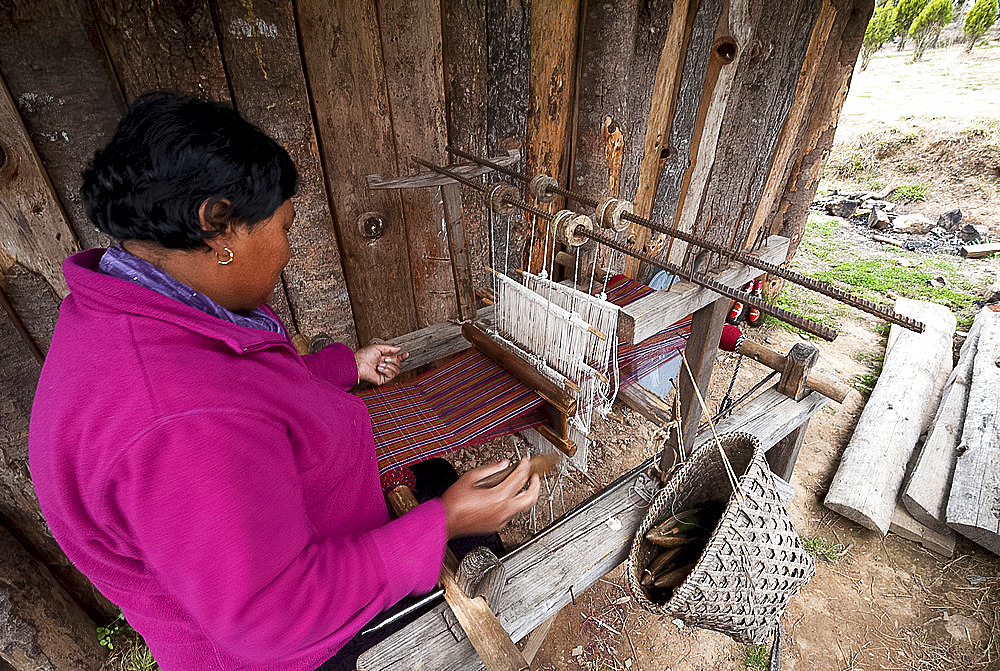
218,487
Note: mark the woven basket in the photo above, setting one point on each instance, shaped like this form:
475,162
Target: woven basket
754,560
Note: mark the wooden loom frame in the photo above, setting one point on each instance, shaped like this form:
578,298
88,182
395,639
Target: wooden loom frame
544,574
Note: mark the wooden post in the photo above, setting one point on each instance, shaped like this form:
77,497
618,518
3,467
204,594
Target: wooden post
700,352
487,635
465,290
800,360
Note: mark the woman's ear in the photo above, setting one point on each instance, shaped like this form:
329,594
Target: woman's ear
214,217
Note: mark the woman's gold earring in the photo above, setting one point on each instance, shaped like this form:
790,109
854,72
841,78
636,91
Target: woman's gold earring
228,260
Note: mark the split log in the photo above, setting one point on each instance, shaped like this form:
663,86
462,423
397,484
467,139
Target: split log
926,494
906,526
41,628
974,504
980,251
866,486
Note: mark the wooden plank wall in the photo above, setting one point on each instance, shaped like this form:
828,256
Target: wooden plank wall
630,98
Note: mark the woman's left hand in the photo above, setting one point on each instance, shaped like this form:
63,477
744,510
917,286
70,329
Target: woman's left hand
379,363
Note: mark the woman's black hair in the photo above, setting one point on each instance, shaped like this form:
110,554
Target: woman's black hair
170,154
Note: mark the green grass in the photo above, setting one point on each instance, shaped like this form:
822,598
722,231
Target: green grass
909,193
128,652
820,238
878,276
757,657
822,548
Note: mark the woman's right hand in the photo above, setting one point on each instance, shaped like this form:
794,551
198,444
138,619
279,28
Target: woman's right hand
474,511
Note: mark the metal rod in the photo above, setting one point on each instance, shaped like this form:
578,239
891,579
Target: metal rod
798,321
877,309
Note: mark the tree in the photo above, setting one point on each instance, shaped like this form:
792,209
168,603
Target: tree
928,25
980,18
880,30
906,12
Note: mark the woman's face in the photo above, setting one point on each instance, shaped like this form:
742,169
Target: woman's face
259,255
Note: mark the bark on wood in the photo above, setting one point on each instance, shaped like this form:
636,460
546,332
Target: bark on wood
867,484
926,494
19,508
163,44
550,113
630,62
508,45
686,82
730,48
834,66
763,91
411,47
463,24
974,502
32,223
261,52
59,75
41,629
343,58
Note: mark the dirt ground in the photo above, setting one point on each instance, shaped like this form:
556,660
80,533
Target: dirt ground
879,603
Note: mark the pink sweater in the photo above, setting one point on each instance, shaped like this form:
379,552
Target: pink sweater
216,485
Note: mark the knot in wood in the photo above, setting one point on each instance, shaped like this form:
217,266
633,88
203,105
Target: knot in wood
501,197
540,187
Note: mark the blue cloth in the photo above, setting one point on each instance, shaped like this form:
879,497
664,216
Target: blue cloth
119,263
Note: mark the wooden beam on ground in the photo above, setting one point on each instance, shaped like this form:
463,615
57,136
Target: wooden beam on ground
973,506
926,493
653,313
867,484
549,571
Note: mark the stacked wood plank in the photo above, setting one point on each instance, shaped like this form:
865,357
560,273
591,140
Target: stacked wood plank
974,501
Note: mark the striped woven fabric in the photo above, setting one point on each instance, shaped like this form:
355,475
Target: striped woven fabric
469,399
466,401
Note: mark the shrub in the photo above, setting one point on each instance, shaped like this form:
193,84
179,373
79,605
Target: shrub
927,27
906,12
980,19
879,31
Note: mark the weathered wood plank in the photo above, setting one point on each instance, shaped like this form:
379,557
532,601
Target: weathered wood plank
834,67
565,559
412,50
65,89
763,89
787,147
938,540
674,157
343,58
653,313
466,76
550,111
260,48
33,228
508,47
730,48
866,486
926,494
162,44
38,303
974,503
42,628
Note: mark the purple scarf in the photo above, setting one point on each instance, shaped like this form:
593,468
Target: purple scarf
119,263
